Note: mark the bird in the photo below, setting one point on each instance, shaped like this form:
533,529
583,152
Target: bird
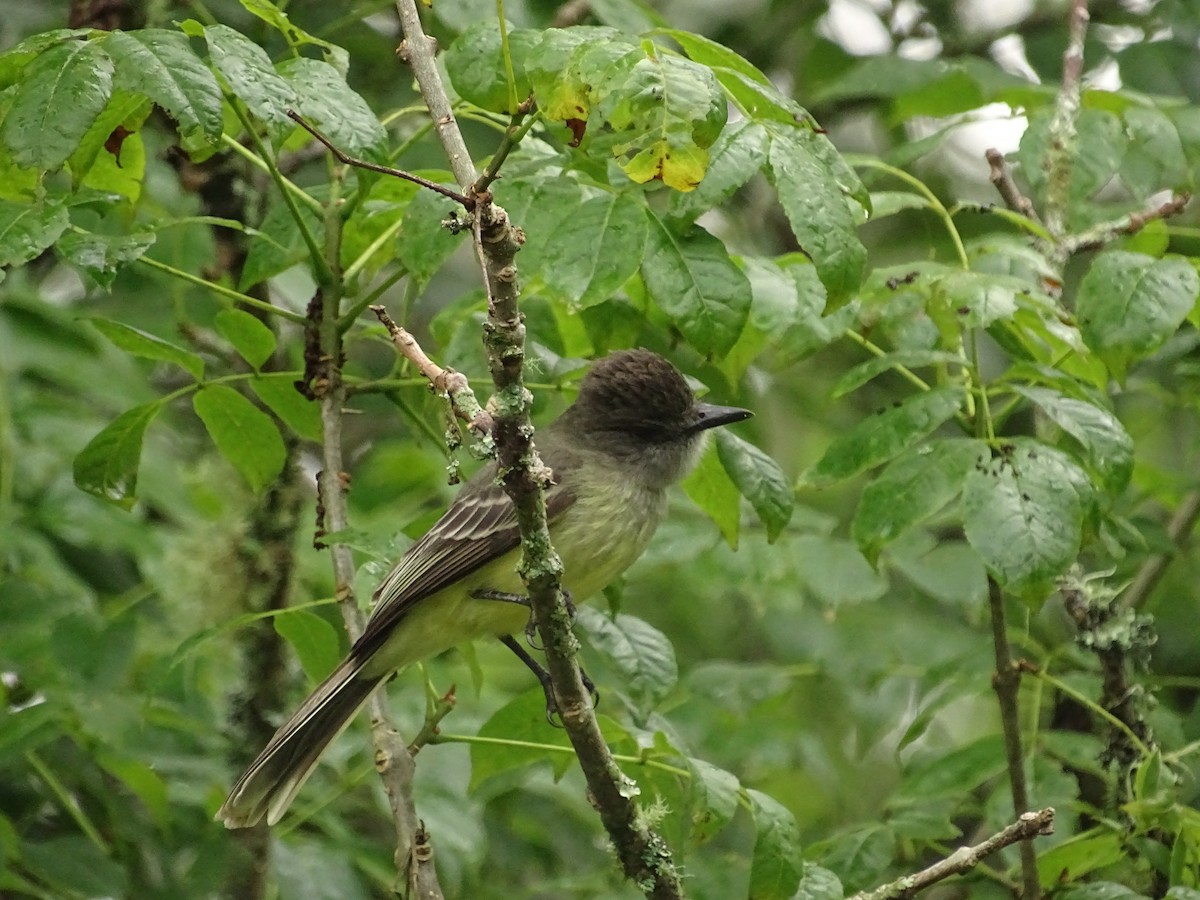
635,429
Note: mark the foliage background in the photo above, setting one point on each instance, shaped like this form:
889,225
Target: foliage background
139,678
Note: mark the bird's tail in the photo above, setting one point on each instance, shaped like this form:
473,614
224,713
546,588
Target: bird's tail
270,783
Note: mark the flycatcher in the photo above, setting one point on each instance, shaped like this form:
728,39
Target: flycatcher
634,430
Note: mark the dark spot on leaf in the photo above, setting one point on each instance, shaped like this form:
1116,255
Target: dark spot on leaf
963,310
895,282
114,142
578,127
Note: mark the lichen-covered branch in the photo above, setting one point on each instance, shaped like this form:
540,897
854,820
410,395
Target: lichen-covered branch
1060,155
643,854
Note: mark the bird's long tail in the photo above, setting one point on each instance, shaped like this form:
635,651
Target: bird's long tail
270,783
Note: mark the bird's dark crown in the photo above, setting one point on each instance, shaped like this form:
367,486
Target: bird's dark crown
639,391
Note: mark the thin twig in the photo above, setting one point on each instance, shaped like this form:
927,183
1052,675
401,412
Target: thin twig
430,728
512,136
1131,224
1027,827
347,160
1002,178
445,381
1007,683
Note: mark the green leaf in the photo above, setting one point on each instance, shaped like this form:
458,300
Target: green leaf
861,856
713,491
888,203
759,479
665,113
1129,304
777,865
102,256
279,394
537,204
567,63
148,346
955,774
244,434
1023,513
61,94
973,300
834,571
637,650
737,155
1155,159
324,98
279,244
250,75
864,372
912,488
750,88
1098,152
520,721
885,435
110,156
713,799
107,467
26,230
161,65
142,780
691,278
422,244
1108,446
818,211
15,60
819,884
296,36
1075,857
315,641
249,336
475,64
597,246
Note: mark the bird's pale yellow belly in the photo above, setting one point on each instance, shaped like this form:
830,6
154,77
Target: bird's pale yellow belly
593,557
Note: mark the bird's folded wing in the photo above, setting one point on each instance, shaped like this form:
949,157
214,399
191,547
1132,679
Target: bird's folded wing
480,526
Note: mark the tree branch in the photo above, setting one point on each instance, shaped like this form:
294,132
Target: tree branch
346,159
1101,234
323,381
643,854
1027,827
1002,178
418,50
1060,155
1007,683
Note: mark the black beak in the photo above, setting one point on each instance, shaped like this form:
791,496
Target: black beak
709,416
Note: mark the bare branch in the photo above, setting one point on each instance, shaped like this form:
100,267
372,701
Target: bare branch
1101,234
445,381
418,50
1007,683
1002,178
1027,827
347,160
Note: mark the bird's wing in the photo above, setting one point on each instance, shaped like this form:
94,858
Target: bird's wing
480,526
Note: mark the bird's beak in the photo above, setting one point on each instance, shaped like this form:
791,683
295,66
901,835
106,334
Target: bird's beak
710,416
